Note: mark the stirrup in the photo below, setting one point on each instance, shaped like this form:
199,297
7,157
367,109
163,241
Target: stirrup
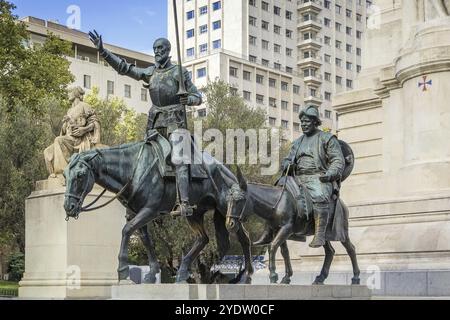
183,210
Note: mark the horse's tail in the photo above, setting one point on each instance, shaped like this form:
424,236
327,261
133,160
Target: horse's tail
222,234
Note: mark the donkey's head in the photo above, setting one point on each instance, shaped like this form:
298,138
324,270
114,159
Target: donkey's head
236,202
80,180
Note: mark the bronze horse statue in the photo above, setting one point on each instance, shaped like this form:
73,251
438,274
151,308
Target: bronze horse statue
131,171
279,208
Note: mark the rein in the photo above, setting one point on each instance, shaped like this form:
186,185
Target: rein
89,208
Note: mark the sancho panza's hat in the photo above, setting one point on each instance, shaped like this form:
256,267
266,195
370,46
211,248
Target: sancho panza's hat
310,111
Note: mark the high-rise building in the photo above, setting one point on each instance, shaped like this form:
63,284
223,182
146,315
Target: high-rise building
279,55
90,69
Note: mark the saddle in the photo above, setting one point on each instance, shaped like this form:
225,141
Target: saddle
300,194
163,149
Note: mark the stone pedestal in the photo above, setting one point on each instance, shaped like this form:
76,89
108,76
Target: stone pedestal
69,260
397,122
238,292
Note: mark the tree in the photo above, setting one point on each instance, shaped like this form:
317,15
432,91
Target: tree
30,77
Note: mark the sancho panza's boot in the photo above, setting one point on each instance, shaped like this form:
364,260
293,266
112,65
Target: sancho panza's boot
182,176
321,221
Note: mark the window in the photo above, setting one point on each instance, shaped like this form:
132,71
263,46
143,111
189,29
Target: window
277,66
296,89
259,79
252,59
327,40
252,3
190,33
233,91
190,15
201,113
265,62
289,34
272,121
358,17
127,92
348,30
252,40
247,75
358,68
190,52
288,15
273,102
349,83
265,6
338,26
233,72
284,124
327,58
338,80
217,44
265,25
296,108
144,96
358,34
327,4
328,96
327,22
217,5
289,69
252,21
201,73
358,51
277,29
349,48
276,48
203,10
277,10
284,86
110,87
339,62
87,81
289,52
338,9
247,95
327,76
348,13
284,105
265,44
203,29
328,114
338,44
272,83
203,48
259,99
349,66
217,24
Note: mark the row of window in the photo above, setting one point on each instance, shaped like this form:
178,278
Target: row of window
247,75
110,88
265,45
203,48
216,25
276,10
348,12
338,61
253,21
203,10
338,27
266,63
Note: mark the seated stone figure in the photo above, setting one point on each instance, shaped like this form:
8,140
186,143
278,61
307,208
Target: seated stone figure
80,132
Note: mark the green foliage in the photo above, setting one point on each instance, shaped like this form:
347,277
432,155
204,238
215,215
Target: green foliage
16,266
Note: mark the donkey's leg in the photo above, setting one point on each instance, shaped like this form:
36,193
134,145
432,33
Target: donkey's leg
151,253
287,264
348,245
244,240
329,255
140,220
196,224
280,238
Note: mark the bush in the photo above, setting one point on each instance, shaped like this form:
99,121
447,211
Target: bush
16,266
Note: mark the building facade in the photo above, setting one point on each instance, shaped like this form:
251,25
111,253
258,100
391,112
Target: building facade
90,69
277,54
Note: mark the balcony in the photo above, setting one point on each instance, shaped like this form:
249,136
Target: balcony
314,62
312,43
313,80
313,99
309,5
311,24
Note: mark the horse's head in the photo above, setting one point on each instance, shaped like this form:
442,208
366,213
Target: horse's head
236,202
79,182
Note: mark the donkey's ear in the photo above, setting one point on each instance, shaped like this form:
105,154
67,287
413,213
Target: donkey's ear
241,179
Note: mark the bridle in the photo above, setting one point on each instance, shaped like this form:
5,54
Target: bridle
234,196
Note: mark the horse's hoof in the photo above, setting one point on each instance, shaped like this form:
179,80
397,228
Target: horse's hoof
319,281
124,273
274,279
356,281
286,280
245,280
150,278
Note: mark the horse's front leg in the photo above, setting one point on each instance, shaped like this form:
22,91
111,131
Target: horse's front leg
140,220
329,255
352,254
287,263
280,238
244,240
196,224
151,253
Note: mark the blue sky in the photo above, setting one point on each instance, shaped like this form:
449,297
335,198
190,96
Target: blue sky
133,24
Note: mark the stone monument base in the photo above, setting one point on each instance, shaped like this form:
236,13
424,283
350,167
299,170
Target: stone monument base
238,292
69,260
